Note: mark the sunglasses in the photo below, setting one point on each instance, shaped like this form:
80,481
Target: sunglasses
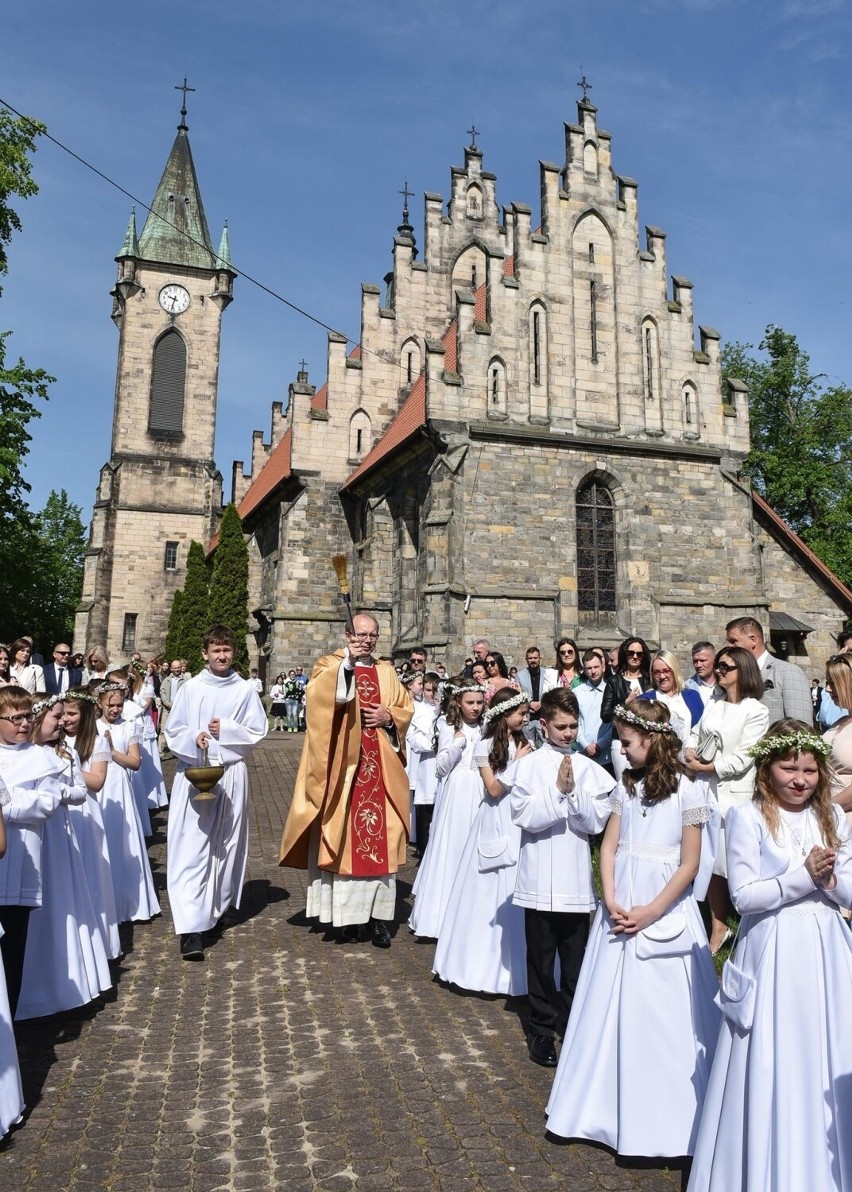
634,653
724,668
491,662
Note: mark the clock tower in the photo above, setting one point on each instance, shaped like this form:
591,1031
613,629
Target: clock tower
161,488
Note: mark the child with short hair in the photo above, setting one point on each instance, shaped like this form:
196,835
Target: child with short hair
207,851
778,1110
643,1027
558,800
28,798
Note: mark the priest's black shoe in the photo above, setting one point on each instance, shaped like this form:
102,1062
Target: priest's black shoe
354,933
191,947
379,933
542,1050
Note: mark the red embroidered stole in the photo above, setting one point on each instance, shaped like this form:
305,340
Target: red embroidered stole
368,804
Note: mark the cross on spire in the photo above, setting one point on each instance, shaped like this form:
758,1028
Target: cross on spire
586,85
303,364
406,195
183,87
474,132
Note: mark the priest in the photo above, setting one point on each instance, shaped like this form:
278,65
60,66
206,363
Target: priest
348,822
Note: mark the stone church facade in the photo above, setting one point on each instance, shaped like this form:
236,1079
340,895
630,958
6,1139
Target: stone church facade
530,440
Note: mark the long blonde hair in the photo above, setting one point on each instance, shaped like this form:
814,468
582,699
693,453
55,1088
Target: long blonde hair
765,798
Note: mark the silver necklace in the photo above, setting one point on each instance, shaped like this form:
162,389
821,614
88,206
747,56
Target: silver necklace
801,842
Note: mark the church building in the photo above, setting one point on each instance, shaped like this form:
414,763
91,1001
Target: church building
530,440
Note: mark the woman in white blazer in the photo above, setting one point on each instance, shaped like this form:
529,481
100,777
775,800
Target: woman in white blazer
717,749
28,675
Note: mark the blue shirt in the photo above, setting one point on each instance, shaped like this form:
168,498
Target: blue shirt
592,730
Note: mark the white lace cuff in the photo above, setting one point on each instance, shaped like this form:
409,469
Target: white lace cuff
614,804
5,797
695,815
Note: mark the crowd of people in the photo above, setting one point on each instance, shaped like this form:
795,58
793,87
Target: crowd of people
713,805
589,835
80,779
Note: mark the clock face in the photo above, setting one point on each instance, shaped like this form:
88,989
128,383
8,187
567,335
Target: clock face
174,299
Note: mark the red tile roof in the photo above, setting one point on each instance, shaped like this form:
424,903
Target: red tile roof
410,417
844,594
509,266
276,469
451,348
479,310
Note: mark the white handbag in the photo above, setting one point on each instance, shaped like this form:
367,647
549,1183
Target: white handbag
666,936
737,992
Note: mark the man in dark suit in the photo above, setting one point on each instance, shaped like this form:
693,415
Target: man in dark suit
58,675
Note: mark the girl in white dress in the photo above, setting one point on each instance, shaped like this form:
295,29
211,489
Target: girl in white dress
11,1091
778,1112
643,1026
132,883
65,964
131,713
421,747
461,793
80,722
481,945
148,781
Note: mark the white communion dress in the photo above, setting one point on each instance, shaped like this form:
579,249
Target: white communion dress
132,883
778,1111
643,1026
460,796
88,823
481,944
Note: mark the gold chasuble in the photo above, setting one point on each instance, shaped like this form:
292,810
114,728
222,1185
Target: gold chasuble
351,784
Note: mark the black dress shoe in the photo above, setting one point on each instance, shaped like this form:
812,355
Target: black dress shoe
191,947
353,933
379,933
542,1050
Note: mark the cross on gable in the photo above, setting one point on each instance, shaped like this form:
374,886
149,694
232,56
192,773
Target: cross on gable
586,85
474,132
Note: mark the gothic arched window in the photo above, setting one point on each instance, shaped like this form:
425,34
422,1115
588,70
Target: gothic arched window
168,386
595,548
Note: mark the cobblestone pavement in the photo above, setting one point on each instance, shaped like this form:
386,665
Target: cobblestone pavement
289,1061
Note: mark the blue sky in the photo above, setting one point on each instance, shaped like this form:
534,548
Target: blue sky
307,119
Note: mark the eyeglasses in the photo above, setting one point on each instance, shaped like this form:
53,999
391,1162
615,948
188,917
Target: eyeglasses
65,652
724,668
22,718
565,650
369,637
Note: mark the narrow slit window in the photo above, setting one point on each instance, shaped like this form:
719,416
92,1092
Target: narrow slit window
170,559
649,364
128,637
537,347
593,321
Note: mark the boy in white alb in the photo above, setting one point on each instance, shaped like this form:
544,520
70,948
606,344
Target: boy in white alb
559,799
207,854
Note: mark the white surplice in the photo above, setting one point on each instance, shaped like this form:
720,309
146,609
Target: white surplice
208,838
11,1092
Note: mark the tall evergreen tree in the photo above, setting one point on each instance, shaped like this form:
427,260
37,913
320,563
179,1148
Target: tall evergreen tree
229,584
173,632
194,609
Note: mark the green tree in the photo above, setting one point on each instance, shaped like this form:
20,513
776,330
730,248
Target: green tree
801,443
229,583
173,632
194,609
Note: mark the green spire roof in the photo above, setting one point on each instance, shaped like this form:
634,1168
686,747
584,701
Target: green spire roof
176,231
130,247
223,256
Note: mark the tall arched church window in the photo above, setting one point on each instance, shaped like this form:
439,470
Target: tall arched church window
497,399
360,435
538,361
409,362
595,548
651,376
168,386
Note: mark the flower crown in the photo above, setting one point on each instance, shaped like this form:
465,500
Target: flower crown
645,726
106,688
471,687
505,705
801,741
139,667
42,705
82,696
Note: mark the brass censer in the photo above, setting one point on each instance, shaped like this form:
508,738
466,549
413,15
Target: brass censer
204,777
